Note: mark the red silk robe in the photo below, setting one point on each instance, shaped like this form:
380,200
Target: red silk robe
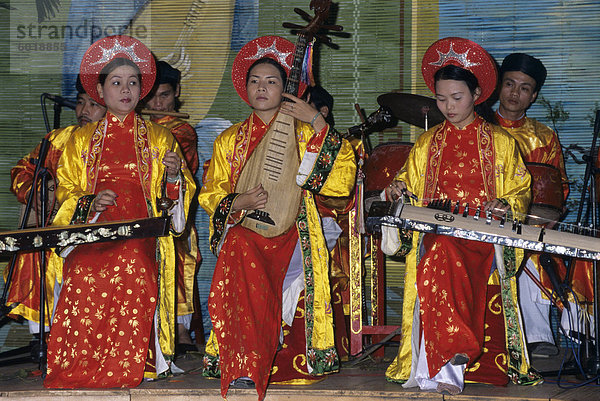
102,328
482,165
245,299
453,273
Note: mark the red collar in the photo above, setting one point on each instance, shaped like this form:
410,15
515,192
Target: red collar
509,123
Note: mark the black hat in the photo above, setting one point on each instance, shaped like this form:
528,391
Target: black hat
167,74
526,64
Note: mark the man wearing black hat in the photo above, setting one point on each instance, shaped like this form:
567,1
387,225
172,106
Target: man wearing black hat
522,77
165,98
25,280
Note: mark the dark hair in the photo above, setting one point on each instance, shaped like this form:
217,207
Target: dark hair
320,97
268,60
455,73
113,65
166,74
526,64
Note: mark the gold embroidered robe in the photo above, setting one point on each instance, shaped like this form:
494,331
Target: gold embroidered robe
78,174
505,173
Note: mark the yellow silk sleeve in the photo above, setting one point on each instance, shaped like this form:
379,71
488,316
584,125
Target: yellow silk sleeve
218,184
513,181
414,169
71,175
342,177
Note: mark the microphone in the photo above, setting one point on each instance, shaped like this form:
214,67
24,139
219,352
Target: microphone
61,101
549,267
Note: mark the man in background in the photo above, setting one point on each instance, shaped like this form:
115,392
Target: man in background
24,285
164,99
522,77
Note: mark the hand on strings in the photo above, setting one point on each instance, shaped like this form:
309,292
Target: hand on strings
172,163
103,200
303,111
254,198
497,207
396,189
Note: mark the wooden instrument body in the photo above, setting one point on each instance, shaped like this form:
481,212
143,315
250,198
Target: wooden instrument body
533,238
274,163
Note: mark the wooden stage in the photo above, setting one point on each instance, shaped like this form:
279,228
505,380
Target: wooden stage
364,382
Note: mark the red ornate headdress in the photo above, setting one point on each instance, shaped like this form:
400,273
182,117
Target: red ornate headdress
461,53
275,47
104,51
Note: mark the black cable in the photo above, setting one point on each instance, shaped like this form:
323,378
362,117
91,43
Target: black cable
44,112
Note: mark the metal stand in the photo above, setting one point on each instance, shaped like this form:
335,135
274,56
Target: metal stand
40,180
40,176
591,172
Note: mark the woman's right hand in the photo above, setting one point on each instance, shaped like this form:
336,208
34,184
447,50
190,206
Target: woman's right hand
254,198
395,190
103,199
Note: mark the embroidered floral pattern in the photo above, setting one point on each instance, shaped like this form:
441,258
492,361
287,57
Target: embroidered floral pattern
317,177
143,154
486,153
220,220
316,182
210,366
94,152
242,141
82,210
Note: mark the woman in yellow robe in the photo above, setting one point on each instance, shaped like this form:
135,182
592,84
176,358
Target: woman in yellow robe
468,160
117,296
246,301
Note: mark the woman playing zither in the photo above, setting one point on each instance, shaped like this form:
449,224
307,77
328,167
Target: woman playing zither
469,160
114,322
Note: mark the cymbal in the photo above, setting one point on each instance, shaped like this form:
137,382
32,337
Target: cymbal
412,108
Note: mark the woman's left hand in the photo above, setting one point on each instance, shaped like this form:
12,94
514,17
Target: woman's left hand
172,163
302,111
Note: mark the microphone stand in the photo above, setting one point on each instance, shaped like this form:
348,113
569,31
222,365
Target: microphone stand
591,172
41,175
57,110
44,113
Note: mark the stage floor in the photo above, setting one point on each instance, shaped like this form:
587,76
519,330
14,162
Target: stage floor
365,382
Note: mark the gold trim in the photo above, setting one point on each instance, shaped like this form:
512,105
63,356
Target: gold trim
300,382
374,281
493,303
355,276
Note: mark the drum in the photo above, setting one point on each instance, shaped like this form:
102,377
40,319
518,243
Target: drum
547,193
383,164
381,167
